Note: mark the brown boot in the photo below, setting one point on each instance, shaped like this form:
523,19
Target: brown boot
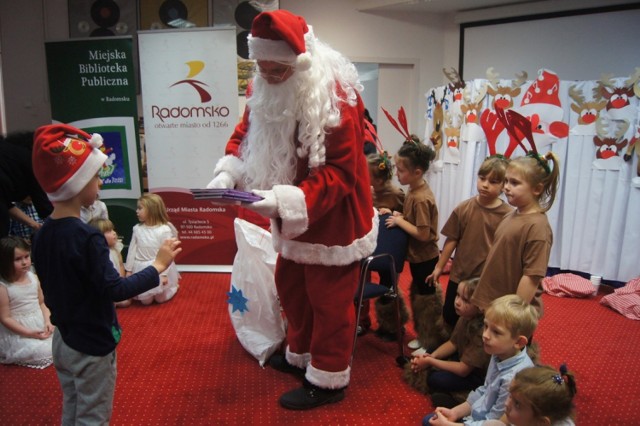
387,317
428,321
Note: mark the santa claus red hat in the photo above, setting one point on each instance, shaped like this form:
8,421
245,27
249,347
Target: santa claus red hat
65,159
281,36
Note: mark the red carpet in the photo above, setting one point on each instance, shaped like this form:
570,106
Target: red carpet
180,363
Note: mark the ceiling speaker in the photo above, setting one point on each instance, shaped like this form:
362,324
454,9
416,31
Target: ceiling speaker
156,14
102,18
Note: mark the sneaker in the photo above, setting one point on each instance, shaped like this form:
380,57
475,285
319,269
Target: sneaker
419,351
279,362
414,344
361,331
310,396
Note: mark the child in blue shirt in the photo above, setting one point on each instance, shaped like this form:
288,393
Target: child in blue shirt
78,279
508,323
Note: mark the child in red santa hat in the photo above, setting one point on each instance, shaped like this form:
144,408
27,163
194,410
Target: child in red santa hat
78,279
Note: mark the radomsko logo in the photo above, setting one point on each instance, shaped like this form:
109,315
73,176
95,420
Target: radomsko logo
195,67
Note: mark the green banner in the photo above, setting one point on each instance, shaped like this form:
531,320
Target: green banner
91,78
92,85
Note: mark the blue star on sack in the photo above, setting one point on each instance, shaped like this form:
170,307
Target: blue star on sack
237,300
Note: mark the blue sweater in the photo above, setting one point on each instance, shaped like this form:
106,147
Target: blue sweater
80,284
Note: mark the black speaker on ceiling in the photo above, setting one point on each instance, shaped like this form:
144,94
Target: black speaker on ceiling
102,18
157,14
240,13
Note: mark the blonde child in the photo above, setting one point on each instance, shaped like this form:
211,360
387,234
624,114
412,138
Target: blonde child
469,231
97,210
115,248
542,396
78,280
25,327
458,365
419,219
518,258
148,235
508,322
387,198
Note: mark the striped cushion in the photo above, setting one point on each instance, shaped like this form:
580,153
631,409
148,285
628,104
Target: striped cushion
625,300
567,285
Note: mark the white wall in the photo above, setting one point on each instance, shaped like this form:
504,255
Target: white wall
397,40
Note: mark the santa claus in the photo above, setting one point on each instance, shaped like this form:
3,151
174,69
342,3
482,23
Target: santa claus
299,145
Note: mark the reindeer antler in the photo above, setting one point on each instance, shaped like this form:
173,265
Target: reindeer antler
402,117
633,78
492,77
576,95
513,121
454,78
520,79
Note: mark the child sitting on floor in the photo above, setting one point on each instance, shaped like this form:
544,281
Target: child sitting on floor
458,365
540,395
25,327
508,322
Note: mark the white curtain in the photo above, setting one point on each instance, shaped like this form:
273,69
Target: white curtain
596,214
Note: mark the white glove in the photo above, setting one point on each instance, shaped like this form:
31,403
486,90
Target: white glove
268,207
223,181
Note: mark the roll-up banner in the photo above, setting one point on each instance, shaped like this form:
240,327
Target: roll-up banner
190,103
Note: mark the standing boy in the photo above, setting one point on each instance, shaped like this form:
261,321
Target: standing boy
508,323
78,280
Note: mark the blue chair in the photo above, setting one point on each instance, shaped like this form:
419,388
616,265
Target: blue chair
387,260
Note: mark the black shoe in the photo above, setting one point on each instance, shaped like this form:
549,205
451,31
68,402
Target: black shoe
442,399
386,336
279,362
362,330
310,396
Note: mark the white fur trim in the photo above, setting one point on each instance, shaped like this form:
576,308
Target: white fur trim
232,165
270,50
297,360
292,209
81,177
303,61
320,254
328,379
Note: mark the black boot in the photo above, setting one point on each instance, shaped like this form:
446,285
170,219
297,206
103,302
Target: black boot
310,396
279,362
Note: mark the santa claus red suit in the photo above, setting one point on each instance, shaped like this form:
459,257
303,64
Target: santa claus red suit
300,146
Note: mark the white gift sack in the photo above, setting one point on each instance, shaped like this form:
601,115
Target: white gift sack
254,307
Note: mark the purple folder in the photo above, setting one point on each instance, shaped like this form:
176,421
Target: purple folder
223,195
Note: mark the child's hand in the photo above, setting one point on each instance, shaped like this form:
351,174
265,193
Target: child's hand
443,417
394,219
383,211
435,276
420,362
167,253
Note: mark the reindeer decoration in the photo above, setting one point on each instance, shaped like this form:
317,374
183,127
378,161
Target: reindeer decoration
610,146
618,98
456,88
634,143
438,119
503,96
503,99
588,112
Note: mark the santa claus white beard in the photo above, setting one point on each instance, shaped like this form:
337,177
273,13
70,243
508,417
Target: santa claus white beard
269,149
